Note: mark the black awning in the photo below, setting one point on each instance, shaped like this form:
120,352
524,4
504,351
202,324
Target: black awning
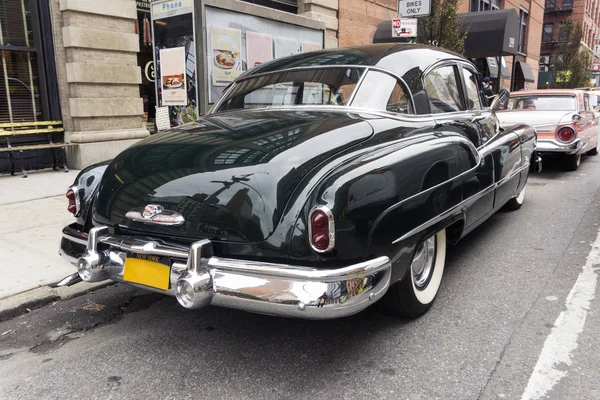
490,33
383,34
524,72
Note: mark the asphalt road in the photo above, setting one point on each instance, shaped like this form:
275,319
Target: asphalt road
503,327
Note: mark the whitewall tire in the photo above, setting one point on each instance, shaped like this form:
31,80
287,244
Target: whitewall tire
415,293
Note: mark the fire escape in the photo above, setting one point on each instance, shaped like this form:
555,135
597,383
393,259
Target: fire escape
561,10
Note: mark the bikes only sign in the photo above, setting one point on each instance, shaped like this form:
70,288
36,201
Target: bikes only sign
404,27
414,8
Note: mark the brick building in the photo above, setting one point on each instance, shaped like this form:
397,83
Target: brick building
557,12
358,20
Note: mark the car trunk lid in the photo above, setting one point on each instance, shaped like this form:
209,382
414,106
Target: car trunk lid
229,176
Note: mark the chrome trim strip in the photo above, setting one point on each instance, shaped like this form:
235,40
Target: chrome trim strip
400,203
445,214
144,246
450,211
330,228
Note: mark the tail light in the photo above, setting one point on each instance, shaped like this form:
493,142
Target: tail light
566,134
321,229
73,197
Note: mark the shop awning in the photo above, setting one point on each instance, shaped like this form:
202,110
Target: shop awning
491,33
492,63
524,72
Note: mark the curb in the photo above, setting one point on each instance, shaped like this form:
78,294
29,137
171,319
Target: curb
21,303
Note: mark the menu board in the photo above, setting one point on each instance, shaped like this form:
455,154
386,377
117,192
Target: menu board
259,48
285,47
172,76
256,40
225,56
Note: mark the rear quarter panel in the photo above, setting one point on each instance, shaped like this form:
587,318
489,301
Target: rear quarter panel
392,190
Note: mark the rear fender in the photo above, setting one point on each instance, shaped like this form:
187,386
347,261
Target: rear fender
385,195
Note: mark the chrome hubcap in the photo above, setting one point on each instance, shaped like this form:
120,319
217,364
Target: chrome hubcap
422,263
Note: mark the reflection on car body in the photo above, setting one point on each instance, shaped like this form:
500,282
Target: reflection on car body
318,184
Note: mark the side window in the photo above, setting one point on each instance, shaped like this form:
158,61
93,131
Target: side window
473,98
442,90
390,94
594,102
586,102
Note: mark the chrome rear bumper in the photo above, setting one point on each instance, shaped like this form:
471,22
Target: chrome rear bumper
198,278
554,146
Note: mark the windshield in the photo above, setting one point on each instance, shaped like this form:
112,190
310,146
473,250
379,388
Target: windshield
334,86
542,103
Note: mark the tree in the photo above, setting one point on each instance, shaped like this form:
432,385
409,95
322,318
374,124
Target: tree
442,27
573,60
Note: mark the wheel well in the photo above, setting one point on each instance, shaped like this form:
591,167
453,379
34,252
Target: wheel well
454,231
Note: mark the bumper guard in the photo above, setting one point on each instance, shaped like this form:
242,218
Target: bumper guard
198,278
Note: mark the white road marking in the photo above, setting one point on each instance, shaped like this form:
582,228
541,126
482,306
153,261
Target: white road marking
562,341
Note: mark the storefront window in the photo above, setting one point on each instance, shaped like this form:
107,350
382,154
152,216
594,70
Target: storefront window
19,87
143,27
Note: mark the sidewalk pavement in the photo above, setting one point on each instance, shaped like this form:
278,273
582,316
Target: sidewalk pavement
33,213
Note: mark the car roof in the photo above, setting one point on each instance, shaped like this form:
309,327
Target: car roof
398,58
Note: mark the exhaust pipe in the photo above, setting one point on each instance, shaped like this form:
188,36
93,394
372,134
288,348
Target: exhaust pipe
70,280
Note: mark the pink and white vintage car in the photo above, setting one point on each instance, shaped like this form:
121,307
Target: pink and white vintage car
563,118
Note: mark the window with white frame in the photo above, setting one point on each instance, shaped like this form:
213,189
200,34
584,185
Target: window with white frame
484,5
545,62
523,15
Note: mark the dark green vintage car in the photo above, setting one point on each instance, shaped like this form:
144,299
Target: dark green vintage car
318,185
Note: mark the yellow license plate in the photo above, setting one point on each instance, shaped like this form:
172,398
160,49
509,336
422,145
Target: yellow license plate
147,273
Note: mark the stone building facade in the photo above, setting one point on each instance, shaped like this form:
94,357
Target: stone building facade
98,77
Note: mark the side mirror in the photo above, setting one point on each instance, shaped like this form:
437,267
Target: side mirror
500,100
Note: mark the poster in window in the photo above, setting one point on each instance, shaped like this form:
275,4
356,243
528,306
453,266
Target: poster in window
285,47
172,76
310,46
259,48
225,56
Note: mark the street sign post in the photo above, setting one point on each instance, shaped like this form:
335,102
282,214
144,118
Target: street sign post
404,27
414,8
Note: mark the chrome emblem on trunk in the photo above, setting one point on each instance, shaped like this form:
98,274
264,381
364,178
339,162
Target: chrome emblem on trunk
151,210
155,214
